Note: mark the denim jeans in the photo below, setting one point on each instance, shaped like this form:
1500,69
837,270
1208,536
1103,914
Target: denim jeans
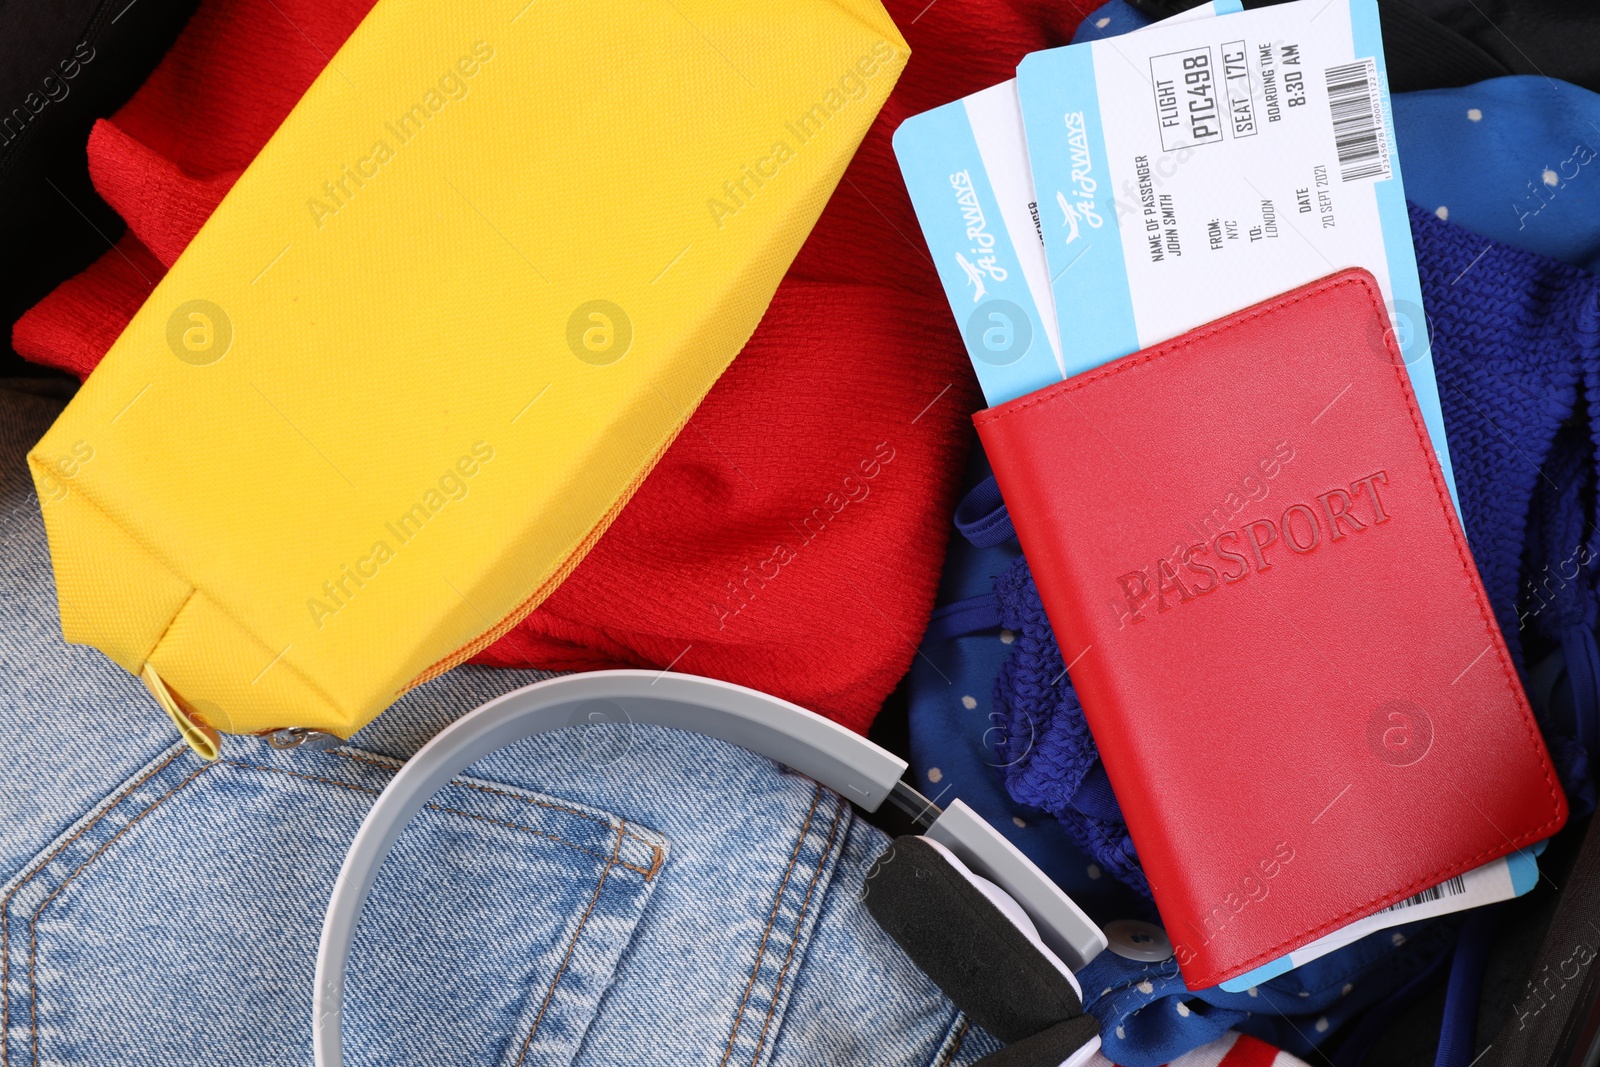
611,894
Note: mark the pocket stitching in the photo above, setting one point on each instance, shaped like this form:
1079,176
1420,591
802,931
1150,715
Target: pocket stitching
647,872
772,918
5,902
612,861
572,945
955,1047
392,764
805,906
33,923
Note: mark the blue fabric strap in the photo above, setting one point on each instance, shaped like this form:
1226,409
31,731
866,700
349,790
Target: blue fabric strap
961,618
982,518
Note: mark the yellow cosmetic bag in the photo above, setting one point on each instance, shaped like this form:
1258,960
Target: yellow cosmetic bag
435,337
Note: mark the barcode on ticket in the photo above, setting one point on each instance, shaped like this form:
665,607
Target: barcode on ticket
1450,888
1358,134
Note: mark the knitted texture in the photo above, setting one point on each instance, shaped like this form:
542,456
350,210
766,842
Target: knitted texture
1514,334
1043,742
1516,346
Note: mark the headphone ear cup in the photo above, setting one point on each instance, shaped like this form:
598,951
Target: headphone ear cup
989,966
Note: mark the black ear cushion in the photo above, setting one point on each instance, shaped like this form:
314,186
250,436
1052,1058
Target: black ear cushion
1049,1049
984,963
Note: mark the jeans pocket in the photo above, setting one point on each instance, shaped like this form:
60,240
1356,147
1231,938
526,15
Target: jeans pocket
177,922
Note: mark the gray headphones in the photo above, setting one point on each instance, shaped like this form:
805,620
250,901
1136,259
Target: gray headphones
994,935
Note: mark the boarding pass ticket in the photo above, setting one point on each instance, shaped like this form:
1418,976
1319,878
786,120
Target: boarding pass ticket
966,167
1507,877
1189,170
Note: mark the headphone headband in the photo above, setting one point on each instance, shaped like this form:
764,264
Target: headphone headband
843,761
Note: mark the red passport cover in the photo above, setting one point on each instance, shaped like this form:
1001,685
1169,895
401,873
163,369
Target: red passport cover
1268,609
